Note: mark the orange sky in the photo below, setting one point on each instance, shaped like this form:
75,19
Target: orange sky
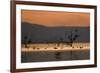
51,18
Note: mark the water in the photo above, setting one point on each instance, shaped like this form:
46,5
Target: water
44,56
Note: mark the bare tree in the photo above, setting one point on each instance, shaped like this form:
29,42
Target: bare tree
60,40
25,41
72,37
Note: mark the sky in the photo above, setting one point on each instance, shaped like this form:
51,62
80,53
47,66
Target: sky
55,19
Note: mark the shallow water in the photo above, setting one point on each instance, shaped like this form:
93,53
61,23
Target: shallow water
43,56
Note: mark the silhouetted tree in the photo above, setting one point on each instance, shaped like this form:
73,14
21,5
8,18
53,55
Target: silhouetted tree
25,41
72,37
60,40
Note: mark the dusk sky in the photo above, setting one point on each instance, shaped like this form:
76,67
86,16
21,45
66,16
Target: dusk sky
53,19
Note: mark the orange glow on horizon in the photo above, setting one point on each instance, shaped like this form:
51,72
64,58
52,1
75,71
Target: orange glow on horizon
53,18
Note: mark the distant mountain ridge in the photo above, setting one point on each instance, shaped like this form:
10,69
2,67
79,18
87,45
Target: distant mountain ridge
41,34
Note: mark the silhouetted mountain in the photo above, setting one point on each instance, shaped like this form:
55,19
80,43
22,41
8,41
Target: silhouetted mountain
41,34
